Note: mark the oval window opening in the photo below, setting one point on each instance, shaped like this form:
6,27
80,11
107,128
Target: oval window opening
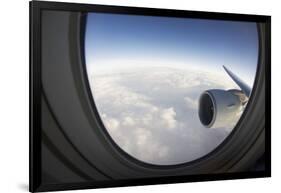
169,90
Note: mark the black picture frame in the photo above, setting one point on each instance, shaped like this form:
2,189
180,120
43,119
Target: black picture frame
36,8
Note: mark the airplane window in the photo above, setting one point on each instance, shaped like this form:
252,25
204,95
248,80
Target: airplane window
169,90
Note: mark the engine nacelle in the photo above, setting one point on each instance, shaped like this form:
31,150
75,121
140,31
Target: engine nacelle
220,108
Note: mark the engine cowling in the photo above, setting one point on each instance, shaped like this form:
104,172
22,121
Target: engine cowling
220,108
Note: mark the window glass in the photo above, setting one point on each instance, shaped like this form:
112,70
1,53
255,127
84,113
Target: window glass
169,90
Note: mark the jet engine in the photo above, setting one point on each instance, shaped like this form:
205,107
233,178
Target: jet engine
221,108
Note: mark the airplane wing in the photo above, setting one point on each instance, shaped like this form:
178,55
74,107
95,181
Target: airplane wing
244,87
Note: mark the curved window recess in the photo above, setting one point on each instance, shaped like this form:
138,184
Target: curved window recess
169,90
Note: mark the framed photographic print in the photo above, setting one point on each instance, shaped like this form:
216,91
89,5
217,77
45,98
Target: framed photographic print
123,96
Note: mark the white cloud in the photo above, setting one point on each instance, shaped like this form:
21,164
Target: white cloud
151,113
128,121
142,136
111,123
191,102
168,116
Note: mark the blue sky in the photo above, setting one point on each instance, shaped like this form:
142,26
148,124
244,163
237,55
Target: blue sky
210,43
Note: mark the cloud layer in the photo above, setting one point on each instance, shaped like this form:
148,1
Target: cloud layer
152,113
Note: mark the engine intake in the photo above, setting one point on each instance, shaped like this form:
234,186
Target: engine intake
219,108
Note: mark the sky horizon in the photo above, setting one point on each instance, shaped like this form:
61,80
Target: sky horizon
200,42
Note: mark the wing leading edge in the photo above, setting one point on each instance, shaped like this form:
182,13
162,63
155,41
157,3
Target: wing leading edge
244,87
